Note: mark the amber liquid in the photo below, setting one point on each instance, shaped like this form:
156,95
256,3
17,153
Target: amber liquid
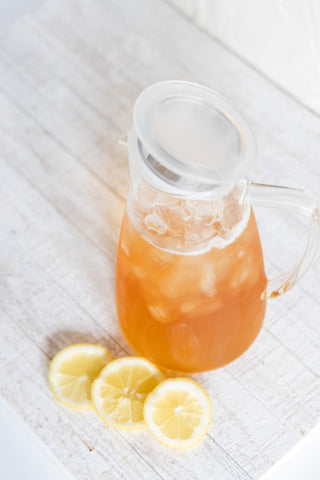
190,313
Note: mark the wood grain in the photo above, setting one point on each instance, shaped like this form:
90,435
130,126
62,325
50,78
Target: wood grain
69,75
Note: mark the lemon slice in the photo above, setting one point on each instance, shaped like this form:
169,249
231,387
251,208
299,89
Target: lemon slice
72,371
119,392
178,412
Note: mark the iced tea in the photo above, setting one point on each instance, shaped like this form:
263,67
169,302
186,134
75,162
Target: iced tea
190,313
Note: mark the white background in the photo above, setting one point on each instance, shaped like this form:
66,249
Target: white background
281,38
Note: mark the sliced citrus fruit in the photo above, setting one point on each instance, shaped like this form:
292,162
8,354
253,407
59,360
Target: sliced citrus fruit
72,371
178,412
119,392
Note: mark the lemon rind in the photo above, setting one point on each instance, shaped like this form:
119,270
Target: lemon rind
176,443
53,388
108,419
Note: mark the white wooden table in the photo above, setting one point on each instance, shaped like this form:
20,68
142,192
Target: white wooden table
69,75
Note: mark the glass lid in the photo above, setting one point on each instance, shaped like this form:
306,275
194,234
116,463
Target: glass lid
193,132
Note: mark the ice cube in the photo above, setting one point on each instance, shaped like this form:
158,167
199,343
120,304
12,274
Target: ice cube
185,343
207,282
124,247
145,196
187,307
158,313
247,273
155,223
173,216
139,272
187,225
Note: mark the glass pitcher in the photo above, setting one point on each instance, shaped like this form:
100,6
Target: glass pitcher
191,286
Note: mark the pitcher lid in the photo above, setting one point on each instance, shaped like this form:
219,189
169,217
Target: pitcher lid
193,133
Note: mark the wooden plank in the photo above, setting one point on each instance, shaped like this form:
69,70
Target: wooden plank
61,192
31,299
53,320
267,415
76,192
97,159
174,44
110,172
65,99
51,240
81,442
270,151
277,255
55,190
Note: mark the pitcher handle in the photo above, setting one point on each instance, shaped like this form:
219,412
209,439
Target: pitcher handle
304,203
